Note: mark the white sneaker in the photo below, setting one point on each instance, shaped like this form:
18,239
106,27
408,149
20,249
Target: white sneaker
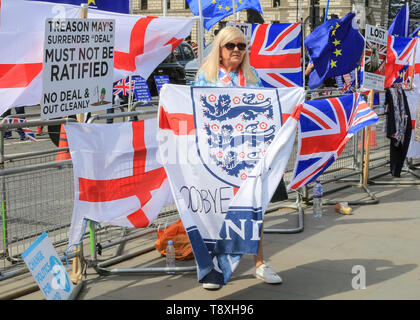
211,286
267,274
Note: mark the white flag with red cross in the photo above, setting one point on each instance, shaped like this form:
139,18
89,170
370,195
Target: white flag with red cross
118,178
141,43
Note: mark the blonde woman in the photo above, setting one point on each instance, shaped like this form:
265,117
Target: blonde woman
227,65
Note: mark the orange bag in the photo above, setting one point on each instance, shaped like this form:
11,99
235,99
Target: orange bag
175,232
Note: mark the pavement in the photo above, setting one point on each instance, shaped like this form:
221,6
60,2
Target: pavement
373,254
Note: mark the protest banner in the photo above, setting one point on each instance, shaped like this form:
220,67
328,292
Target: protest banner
246,28
78,66
375,58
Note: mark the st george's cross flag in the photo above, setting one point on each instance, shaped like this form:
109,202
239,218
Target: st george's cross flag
118,179
417,57
275,54
324,128
211,142
141,43
413,99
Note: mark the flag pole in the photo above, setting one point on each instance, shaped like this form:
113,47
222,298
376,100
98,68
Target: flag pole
76,275
233,10
164,7
83,15
367,143
326,10
302,43
200,34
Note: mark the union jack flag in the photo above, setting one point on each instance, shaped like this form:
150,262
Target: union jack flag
123,87
28,132
399,53
276,54
325,126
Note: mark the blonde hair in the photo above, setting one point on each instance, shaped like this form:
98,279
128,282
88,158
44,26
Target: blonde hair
211,63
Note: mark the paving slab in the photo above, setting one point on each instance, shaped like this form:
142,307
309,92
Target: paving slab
324,262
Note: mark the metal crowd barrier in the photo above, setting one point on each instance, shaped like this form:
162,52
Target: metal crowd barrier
37,195
168,215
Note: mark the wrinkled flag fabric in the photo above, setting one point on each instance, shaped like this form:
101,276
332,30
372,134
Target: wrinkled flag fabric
211,142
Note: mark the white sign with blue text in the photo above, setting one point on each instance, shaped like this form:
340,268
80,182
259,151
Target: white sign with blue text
47,269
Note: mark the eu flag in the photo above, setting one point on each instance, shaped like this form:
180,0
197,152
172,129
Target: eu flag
416,33
399,27
121,6
335,48
216,10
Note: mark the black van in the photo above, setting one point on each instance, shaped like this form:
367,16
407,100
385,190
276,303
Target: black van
173,66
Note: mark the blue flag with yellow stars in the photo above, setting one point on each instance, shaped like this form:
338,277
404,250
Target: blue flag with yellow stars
335,48
400,24
216,10
416,33
121,6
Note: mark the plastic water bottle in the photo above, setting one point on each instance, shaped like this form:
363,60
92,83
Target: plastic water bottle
170,256
317,207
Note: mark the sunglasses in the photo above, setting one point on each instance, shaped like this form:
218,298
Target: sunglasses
231,46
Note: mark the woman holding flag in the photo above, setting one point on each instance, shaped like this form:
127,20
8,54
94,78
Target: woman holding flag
227,65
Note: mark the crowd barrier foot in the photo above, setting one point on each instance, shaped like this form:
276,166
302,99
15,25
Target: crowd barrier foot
372,180
373,199
101,267
297,206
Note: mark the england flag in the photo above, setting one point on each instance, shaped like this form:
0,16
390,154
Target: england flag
118,179
213,143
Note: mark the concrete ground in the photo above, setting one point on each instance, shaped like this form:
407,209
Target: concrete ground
373,254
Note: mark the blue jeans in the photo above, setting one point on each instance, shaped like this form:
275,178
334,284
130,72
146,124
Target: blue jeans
110,120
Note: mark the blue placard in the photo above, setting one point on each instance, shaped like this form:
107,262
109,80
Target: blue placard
160,81
141,89
49,273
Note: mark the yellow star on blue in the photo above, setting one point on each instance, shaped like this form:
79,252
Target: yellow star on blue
91,1
337,52
336,42
333,63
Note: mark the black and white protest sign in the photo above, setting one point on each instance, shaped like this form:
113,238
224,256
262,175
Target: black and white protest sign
246,28
374,58
78,66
